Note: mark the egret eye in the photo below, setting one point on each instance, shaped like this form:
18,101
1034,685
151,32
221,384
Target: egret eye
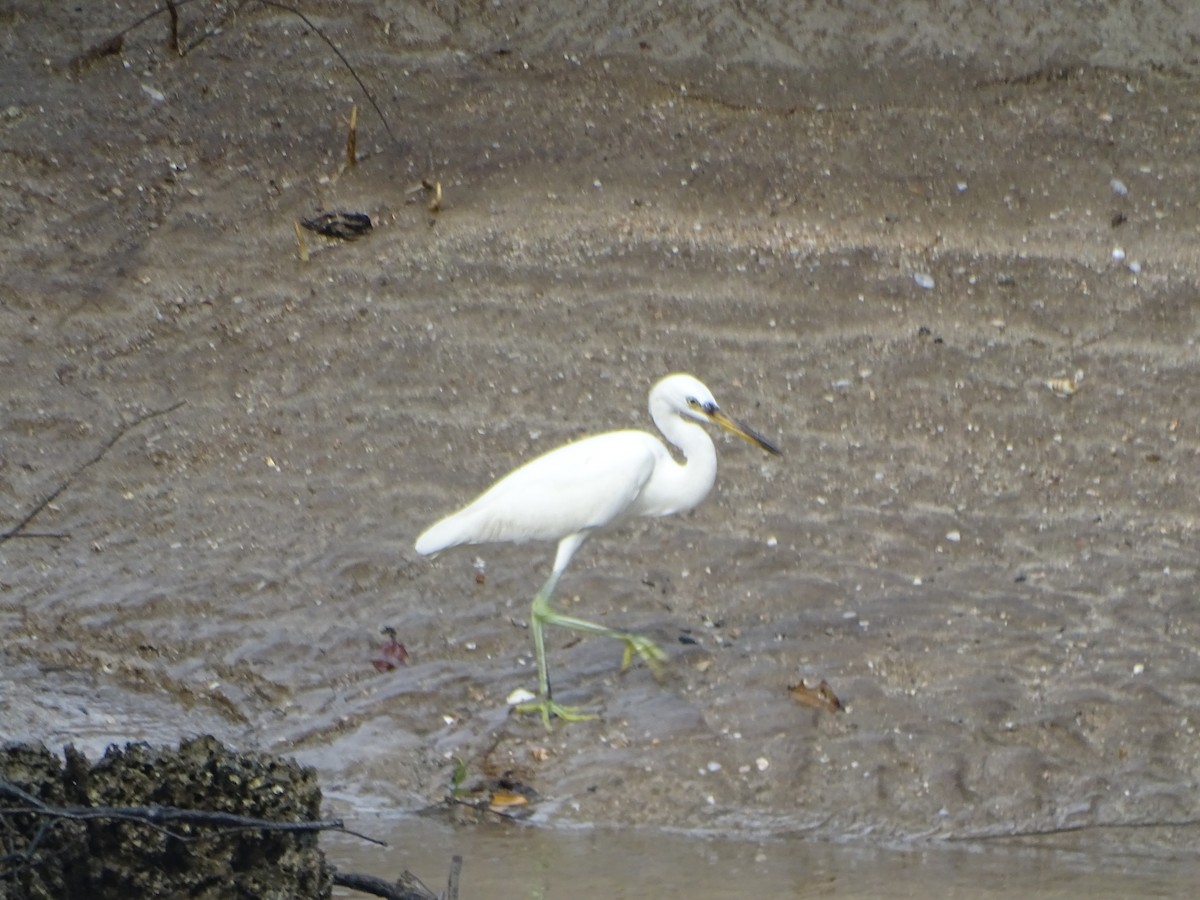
693,402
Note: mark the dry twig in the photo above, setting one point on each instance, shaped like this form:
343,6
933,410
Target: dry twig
88,463
114,43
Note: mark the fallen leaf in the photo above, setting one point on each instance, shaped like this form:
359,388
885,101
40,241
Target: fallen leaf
391,654
502,801
820,697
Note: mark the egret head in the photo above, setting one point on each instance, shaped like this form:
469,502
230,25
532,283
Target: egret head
688,397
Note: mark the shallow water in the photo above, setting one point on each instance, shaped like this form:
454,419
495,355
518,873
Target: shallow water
502,862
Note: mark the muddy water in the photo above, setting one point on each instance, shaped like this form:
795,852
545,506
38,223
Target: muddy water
961,296
526,863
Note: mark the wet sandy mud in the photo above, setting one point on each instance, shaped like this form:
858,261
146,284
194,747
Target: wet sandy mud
953,275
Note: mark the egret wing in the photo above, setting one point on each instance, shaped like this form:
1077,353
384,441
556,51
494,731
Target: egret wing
579,487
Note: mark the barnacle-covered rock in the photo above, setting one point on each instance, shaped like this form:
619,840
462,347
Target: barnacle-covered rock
123,857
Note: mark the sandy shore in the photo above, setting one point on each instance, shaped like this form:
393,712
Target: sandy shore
877,237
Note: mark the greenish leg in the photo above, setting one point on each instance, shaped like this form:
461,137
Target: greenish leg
541,615
645,648
544,704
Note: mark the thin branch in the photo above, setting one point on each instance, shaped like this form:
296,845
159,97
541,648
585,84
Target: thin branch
174,13
95,458
456,863
114,43
406,887
332,46
212,28
159,817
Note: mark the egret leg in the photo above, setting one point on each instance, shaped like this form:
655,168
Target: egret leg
542,614
645,648
544,704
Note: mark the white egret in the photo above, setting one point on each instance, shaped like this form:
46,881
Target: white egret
594,483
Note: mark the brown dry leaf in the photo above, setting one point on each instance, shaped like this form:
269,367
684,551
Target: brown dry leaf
352,138
390,655
502,801
301,243
514,803
1063,387
820,697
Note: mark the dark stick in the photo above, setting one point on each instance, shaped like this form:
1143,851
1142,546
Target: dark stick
332,46
452,882
406,887
96,457
174,13
114,43
159,816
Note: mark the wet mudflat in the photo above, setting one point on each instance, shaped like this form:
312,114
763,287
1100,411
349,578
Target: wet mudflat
961,297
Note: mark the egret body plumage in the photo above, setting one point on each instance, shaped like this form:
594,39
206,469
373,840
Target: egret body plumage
596,482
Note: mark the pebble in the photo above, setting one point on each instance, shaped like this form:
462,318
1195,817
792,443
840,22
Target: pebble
924,280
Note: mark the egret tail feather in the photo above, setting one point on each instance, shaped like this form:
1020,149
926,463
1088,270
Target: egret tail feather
440,536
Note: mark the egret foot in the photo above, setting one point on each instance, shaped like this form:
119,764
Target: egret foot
548,708
646,649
